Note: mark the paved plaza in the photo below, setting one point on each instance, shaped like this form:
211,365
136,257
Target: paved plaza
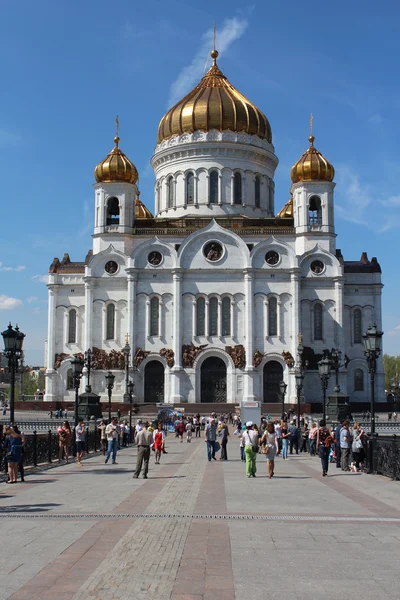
199,531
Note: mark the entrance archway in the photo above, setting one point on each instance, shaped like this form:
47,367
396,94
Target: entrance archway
273,375
154,382
213,380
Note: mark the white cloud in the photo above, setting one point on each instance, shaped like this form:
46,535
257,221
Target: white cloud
391,201
32,299
232,30
40,278
8,303
16,269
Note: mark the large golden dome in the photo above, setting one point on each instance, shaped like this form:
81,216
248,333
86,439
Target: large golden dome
116,167
214,104
312,166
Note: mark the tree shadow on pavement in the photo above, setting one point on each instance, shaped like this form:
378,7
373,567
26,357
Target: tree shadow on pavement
23,508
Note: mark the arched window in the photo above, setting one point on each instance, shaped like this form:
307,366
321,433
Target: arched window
214,187
226,316
113,211
318,329
272,317
72,326
170,192
357,326
213,317
315,211
154,316
237,189
200,316
190,188
257,192
358,380
70,380
110,327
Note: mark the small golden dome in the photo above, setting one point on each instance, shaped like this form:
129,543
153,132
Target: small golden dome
116,167
312,166
287,211
214,104
141,211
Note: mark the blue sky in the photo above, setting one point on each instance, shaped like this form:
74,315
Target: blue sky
69,67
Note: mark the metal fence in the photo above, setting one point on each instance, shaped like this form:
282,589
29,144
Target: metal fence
40,448
38,426
383,456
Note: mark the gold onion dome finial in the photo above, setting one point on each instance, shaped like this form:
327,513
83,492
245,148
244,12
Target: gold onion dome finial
312,166
141,211
116,166
214,104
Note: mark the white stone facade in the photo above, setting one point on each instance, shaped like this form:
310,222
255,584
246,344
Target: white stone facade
237,299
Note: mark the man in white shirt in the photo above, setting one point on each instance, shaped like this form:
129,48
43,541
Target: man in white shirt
112,431
278,435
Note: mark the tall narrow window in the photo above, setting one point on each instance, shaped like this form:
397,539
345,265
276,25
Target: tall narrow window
154,316
113,211
272,317
257,192
318,329
226,316
214,187
190,188
110,328
201,317
357,326
72,326
170,192
315,211
358,380
213,317
70,380
237,189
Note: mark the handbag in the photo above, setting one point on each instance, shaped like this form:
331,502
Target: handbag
253,447
217,446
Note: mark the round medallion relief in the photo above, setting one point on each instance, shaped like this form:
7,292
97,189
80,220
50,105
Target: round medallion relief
272,257
213,251
111,267
155,258
317,266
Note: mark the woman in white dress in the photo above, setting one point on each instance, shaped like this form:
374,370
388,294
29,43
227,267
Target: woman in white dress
269,445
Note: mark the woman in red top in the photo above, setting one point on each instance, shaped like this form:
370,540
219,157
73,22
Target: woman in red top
180,428
324,441
158,438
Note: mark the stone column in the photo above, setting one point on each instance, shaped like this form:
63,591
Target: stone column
219,318
340,338
177,337
248,388
51,373
88,340
296,317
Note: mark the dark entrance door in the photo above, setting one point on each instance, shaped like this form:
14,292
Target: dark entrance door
273,375
154,382
213,380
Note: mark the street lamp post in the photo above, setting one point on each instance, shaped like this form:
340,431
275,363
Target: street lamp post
283,387
110,384
372,340
299,375
131,385
324,368
336,362
127,354
77,367
88,366
13,342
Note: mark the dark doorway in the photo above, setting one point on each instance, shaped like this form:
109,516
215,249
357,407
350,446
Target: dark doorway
213,380
154,382
273,375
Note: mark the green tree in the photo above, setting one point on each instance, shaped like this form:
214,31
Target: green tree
391,366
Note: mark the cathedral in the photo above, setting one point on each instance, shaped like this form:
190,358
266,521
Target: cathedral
214,292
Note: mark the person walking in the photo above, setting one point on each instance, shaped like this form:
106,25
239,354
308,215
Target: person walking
224,433
158,441
270,447
312,439
188,432
337,444
324,442
13,448
144,441
285,439
250,438
103,437
180,429
112,431
278,432
242,456
293,437
80,442
21,462
210,436
357,447
304,438
197,426
64,441
345,445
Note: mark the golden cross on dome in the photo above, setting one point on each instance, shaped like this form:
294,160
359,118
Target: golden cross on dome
116,139
311,123
215,36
